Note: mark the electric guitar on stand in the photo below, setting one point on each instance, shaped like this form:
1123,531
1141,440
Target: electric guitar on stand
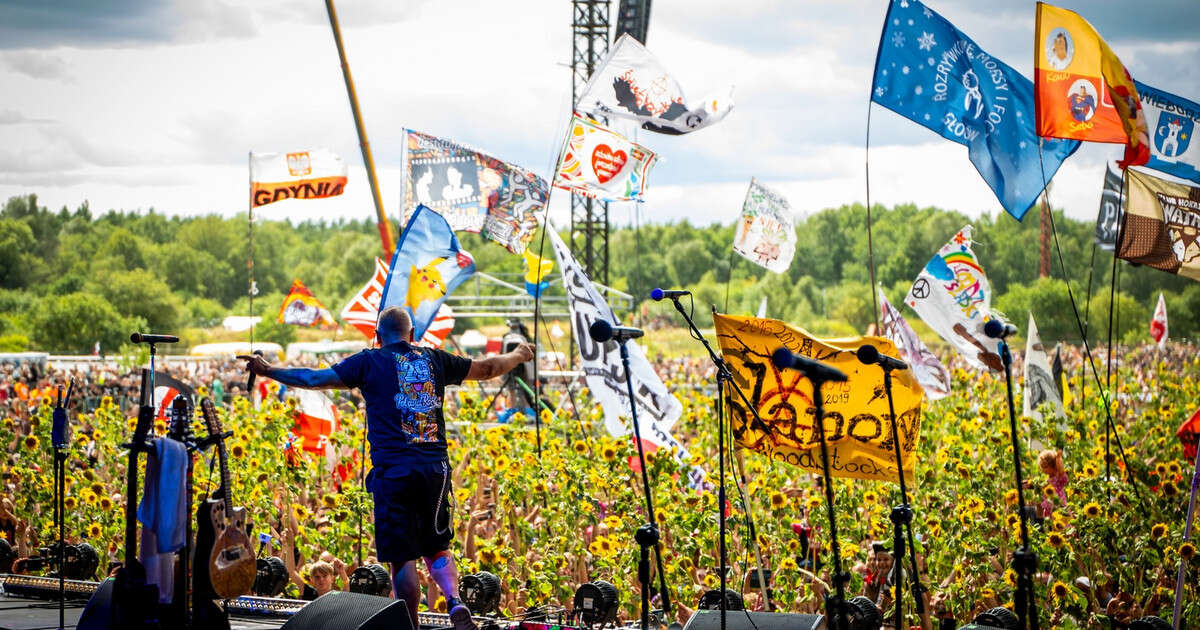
232,565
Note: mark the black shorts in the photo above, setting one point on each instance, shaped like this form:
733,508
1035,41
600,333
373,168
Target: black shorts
412,510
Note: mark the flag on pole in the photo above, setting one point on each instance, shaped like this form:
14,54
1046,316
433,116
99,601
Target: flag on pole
933,74
313,174
362,312
952,294
536,270
631,83
766,232
474,191
1158,324
1173,120
1039,379
860,435
166,389
316,419
1083,90
598,162
657,409
924,364
1108,219
427,266
762,308
1161,225
1188,433
302,308
1056,369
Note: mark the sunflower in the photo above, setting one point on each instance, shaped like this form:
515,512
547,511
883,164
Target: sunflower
31,442
329,501
1158,531
579,446
93,530
1187,550
1059,591
1169,489
1092,510
777,500
608,453
539,487
106,503
1056,540
70,503
1010,577
238,450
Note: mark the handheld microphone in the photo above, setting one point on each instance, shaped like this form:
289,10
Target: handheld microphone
785,359
870,355
602,331
997,329
658,294
250,379
140,338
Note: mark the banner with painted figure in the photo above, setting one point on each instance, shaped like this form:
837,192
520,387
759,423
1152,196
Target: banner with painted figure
1083,90
427,266
766,232
362,312
474,191
857,423
302,308
313,174
631,83
1040,388
952,294
657,409
1109,217
1158,323
924,364
1172,122
598,162
933,74
1161,225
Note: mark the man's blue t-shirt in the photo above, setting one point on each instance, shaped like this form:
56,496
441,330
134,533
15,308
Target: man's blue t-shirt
403,387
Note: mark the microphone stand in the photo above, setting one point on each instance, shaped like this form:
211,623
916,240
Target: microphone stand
835,605
1024,561
901,517
646,535
60,444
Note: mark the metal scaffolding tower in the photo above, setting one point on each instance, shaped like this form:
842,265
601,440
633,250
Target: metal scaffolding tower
589,218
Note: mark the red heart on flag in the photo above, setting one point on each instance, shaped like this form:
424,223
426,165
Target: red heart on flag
606,163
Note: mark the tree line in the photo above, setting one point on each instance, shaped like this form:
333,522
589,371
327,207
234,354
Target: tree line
72,278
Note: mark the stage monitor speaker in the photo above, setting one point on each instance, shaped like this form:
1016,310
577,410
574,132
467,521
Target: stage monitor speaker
97,614
338,610
749,620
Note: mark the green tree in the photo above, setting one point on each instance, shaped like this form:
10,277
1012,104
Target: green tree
74,323
142,295
18,264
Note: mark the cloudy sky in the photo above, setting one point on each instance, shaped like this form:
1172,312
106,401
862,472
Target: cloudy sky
130,104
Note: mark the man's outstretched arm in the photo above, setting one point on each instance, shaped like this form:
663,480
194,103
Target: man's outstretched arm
496,365
305,378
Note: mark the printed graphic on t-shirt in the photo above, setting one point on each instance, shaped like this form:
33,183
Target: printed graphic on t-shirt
417,398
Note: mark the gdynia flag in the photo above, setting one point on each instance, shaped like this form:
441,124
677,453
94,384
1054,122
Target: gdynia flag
312,174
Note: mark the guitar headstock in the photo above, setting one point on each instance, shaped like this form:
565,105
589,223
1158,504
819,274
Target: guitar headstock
211,421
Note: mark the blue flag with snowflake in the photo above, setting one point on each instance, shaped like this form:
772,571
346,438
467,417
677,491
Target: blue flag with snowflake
931,73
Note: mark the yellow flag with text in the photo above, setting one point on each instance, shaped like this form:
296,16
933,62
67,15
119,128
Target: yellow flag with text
857,422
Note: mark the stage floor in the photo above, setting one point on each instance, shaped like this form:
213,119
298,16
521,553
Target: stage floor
18,613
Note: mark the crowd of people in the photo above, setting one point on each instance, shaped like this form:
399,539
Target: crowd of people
548,506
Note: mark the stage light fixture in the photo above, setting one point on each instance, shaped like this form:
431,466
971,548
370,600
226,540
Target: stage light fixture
480,592
371,579
711,600
596,603
271,577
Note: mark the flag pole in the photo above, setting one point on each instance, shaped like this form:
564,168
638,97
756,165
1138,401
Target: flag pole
1187,535
385,227
250,239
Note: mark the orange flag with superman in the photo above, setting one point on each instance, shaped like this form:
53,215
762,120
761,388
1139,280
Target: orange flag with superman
1083,91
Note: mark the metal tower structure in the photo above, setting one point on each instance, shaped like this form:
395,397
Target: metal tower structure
589,218
633,17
